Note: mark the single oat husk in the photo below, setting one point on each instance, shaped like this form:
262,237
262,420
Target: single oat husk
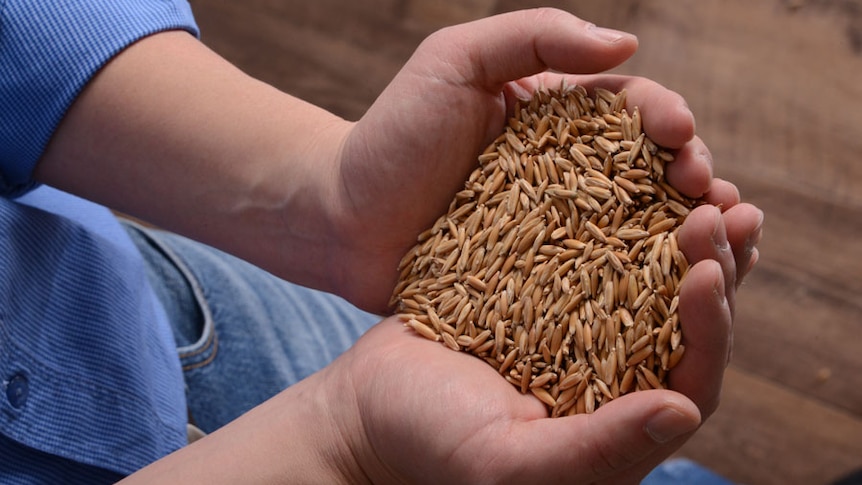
558,263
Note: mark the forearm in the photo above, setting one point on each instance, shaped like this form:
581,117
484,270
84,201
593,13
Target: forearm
173,134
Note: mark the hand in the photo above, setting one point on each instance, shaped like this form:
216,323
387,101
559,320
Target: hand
426,414
403,161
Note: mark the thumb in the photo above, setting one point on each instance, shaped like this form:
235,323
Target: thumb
596,447
495,50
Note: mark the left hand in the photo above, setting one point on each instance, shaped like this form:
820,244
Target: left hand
403,161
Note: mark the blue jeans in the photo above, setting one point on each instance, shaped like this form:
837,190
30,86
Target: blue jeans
681,471
242,334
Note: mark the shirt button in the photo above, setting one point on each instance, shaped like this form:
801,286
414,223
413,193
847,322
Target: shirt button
17,390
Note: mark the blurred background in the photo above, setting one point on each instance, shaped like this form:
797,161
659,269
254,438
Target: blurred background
776,88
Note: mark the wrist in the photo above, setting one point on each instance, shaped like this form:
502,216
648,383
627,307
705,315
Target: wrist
295,437
296,210
315,427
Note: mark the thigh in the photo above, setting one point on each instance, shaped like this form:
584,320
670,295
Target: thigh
244,334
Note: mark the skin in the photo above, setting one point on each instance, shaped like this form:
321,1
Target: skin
171,133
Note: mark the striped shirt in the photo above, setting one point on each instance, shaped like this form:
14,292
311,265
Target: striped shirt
90,385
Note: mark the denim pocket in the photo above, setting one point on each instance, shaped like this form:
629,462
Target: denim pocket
182,295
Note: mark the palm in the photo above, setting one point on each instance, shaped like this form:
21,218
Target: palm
440,405
432,415
401,174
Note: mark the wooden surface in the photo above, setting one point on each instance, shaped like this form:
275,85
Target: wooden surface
775,86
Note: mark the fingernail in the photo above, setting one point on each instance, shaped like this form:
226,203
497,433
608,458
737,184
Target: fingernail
686,110
751,242
754,238
719,292
668,425
607,35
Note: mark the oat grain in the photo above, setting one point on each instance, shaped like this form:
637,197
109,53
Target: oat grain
558,262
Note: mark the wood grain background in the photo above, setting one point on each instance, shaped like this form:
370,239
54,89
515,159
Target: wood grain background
775,86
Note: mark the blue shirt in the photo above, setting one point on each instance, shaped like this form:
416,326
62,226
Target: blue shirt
90,385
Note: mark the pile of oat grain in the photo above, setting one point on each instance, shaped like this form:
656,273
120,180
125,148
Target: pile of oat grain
558,263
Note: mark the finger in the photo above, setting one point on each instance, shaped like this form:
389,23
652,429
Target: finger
599,446
722,194
667,119
704,314
510,46
669,122
703,236
691,170
744,225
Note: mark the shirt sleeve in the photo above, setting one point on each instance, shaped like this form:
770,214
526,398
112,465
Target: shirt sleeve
49,50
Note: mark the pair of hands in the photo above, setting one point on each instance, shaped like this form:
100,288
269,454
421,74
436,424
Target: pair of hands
432,415
342,207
